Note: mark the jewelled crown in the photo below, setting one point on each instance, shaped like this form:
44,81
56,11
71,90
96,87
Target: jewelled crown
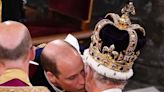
120,61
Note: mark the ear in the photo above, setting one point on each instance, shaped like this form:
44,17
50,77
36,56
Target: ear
51,77
32,53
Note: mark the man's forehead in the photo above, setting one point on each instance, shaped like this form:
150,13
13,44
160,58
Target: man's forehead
70,68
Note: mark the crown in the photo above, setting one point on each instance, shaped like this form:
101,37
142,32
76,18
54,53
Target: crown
121,61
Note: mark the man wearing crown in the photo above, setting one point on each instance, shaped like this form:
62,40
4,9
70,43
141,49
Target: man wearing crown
115,45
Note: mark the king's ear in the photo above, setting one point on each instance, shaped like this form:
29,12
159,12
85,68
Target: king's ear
51,77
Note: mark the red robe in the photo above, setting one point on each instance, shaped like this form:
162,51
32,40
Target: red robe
14,82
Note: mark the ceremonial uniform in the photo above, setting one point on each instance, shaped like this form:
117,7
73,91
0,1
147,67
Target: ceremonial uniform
14,77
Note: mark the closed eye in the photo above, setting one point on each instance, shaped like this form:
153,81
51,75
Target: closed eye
72,77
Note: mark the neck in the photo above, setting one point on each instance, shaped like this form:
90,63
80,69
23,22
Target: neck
14,64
